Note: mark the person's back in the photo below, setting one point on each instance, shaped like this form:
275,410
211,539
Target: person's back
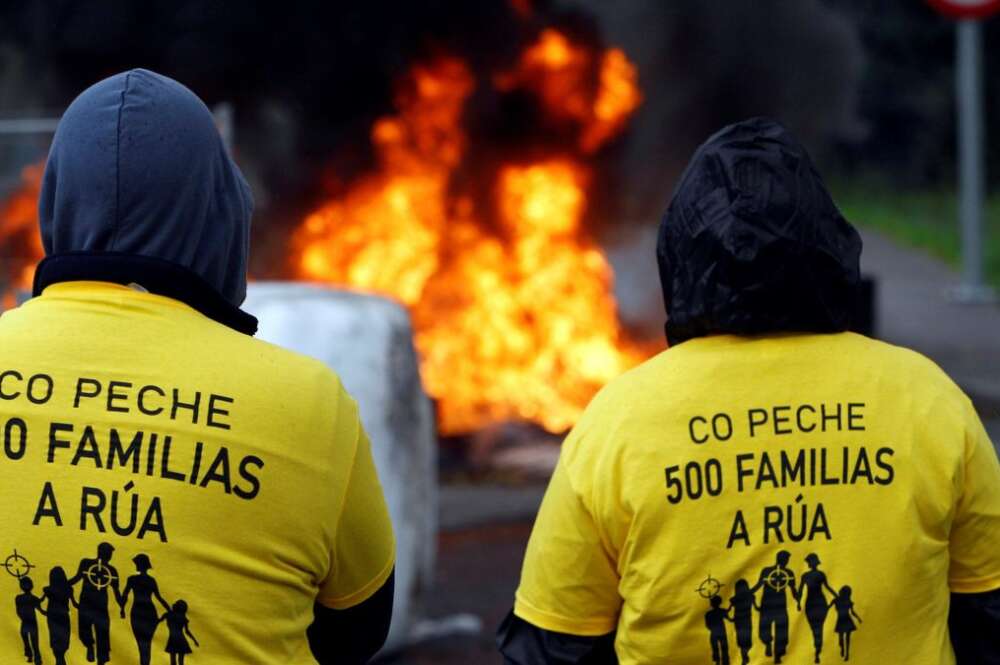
156,451
846,482
167,434
855,450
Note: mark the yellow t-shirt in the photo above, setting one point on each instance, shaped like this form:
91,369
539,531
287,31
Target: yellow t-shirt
216,484
769,494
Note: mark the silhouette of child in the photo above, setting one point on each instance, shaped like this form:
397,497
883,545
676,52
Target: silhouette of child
845,625
177,626
715,621
27,604
742,604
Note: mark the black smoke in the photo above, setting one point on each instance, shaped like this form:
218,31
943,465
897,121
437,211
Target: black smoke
307,79
704,65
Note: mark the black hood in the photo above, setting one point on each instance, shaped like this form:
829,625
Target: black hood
752,243
139,187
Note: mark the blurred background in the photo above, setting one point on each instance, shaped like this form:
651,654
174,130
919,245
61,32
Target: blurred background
498,168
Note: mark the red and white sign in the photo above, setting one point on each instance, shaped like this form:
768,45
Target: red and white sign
966,8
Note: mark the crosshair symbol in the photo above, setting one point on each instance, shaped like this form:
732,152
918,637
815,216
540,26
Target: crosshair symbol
17,566
100,575
709,587
778,579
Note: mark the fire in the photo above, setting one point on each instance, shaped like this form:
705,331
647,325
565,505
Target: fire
21,242
511,299
617,99
514,319
559,72
387,233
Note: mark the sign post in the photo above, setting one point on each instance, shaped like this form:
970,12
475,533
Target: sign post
971,138
971,165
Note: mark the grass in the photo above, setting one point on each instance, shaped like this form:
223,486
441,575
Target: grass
926,220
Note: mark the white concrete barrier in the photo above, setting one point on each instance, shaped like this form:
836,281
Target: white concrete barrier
368,341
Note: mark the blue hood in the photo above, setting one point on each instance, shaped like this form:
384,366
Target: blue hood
138,169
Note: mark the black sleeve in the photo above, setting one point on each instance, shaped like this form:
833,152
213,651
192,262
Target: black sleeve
354,635
974,623
522,643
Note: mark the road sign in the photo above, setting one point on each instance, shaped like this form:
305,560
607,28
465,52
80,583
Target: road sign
967,9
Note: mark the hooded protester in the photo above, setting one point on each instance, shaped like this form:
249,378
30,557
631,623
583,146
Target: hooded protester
152,422
766,431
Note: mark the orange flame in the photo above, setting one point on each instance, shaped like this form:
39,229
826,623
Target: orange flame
512,322
557,71
517,322
386,234
560,72
617,99
20,242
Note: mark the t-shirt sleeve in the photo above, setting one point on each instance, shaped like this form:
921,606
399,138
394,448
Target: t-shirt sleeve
569,582
975,534
364,548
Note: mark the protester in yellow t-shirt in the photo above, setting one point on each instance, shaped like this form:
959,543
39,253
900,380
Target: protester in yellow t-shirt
770,487
172,485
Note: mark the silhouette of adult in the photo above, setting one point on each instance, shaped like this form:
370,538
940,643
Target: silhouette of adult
58,595
143,617
813,582
743,603
775,580
97,576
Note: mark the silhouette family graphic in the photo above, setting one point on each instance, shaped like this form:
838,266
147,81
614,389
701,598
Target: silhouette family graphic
95,577
775,584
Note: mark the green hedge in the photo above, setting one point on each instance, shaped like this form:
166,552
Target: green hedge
927,220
